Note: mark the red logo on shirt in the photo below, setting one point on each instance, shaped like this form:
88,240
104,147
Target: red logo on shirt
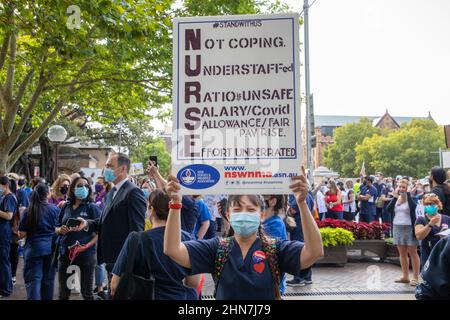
259,267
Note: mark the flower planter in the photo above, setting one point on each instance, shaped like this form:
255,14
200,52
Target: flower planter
391,251
377,247
334,255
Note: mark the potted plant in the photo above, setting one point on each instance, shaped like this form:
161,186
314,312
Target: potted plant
391,249
335,242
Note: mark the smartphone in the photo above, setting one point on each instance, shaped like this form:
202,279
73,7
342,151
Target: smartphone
154,159
72,223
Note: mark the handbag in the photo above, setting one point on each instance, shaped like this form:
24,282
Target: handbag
132,286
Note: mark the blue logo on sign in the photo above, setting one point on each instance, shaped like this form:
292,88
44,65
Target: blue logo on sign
198,176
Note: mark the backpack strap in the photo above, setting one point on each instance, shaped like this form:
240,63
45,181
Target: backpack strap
275,248
222,254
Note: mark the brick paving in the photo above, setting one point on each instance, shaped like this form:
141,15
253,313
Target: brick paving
329,283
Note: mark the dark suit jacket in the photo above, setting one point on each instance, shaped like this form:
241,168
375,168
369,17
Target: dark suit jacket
122,215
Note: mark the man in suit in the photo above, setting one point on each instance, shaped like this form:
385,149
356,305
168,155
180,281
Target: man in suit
125,208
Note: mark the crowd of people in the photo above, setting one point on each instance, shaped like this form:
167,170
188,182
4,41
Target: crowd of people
248,243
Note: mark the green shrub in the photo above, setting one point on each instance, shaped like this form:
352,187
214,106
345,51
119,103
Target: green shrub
336,237
389,241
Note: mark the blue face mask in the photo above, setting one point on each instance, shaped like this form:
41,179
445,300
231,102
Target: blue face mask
146,193
1,191
81,193
245,224
431,210
109,175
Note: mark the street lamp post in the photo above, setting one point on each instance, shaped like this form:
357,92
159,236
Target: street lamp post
56,134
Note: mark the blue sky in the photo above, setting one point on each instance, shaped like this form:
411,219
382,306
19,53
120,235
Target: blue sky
371,55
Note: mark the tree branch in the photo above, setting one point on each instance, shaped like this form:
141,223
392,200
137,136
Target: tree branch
4,50
11,66
11,113
15,155
90,81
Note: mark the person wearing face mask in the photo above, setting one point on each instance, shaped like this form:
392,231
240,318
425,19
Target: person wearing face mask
429,225
60,188
440,188
79,205
100,192
368,194
248,264
403,211
386,196
124,212
172,281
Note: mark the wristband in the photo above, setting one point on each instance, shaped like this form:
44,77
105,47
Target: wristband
175,206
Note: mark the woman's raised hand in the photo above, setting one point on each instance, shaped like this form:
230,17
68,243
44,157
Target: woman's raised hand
173,189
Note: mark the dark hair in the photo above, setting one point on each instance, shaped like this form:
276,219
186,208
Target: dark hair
358,180
280,205
370,179
73,185
13,185
438,174
38,199
267,247
35,181
4,181
159,200
123,160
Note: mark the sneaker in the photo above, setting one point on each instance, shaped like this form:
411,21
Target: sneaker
14,281
308,281
103,295
294,283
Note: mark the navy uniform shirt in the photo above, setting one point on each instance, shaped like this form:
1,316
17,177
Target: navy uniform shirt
436,273
87,211
369,207
168,274
248,279
22,198
189,214
204,215
427,244
8,203
39,241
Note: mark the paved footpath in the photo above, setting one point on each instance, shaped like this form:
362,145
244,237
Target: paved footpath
367,280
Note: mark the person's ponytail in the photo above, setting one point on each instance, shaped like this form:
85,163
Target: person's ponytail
38,199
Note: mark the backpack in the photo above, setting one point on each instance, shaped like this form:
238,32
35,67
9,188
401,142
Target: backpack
132,286
223,251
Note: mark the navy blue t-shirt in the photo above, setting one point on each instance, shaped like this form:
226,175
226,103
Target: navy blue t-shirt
8,203
168,274
204,215
427,244
248,279
87,211
189,214
436,273
369,207
39,241
389,194
22,198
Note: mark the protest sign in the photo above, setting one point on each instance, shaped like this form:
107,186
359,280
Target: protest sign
236,104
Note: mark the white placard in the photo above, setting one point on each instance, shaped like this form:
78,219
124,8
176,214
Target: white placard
446,159
137,169
236,104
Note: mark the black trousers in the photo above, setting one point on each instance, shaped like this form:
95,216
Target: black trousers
86,267
14,257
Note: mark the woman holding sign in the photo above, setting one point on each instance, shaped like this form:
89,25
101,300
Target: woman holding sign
247,265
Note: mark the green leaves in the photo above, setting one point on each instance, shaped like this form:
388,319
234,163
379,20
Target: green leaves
336,237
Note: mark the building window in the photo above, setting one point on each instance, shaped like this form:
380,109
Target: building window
327,131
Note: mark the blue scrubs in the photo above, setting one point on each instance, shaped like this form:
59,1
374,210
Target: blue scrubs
189,214
87,211
297,233
8,203
244,279
39,274
274,227
22,198
368,208
168,274
204,215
